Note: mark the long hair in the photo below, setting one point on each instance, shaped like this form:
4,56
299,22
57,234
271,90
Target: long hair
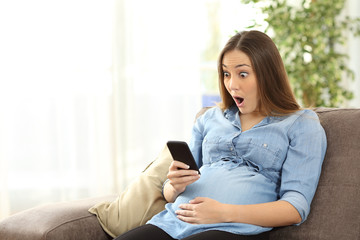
275,93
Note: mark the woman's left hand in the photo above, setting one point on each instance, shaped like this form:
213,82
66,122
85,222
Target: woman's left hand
201,210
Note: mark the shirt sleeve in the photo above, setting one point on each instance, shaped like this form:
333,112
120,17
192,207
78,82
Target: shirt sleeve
302,167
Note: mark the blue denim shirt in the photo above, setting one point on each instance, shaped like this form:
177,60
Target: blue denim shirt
280,158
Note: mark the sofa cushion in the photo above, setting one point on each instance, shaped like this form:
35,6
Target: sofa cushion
141,200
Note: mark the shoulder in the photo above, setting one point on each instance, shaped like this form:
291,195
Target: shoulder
305,121
306,116
308,113
209,112
300,116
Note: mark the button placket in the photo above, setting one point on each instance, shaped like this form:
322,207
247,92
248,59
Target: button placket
231,145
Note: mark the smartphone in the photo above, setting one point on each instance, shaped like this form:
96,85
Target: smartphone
180,151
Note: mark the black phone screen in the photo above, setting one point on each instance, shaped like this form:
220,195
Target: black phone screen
180,151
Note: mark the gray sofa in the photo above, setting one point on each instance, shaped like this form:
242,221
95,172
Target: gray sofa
335,210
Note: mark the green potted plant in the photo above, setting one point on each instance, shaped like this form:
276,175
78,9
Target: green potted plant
310,35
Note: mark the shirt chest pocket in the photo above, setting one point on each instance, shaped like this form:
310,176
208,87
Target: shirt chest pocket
263,155
211,150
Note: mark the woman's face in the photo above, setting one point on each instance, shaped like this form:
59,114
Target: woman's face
240,81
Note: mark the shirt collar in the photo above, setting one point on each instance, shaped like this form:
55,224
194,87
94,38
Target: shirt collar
232,114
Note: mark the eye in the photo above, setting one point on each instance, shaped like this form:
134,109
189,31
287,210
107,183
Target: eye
244,74
226,74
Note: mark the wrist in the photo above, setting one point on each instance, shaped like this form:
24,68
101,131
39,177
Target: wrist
169,192
163,187
231,213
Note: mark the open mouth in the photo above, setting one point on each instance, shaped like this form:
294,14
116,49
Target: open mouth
239,100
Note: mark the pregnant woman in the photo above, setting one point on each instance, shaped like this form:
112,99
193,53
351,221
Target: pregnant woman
259,153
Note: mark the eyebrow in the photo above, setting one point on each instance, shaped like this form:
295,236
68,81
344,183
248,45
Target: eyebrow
237,66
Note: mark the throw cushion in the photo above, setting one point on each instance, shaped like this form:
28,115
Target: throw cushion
141,200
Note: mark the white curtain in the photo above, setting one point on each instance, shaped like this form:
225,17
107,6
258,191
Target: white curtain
56,118
157,71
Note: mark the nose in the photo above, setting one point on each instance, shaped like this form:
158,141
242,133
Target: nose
233,85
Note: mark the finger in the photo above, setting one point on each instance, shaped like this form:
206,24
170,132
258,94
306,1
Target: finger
178,164
175,166
182,173
185,213
185,206
191,220
186,180
197,200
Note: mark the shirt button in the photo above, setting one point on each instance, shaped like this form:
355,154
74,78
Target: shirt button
231,149
265,145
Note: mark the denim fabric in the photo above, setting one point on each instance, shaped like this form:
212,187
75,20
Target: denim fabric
279,158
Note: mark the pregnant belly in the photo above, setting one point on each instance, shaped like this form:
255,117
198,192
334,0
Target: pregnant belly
240,185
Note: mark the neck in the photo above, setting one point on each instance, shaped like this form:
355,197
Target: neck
251,119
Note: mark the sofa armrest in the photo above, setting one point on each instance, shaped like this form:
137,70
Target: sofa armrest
65,221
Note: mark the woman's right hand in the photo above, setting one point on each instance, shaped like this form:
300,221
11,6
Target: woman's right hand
179,178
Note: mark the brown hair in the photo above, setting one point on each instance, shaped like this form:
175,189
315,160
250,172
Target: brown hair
276,96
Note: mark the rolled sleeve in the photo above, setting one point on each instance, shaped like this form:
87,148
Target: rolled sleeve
299,202
302,167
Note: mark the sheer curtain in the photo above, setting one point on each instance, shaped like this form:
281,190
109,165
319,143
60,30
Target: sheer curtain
56,119
156,67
